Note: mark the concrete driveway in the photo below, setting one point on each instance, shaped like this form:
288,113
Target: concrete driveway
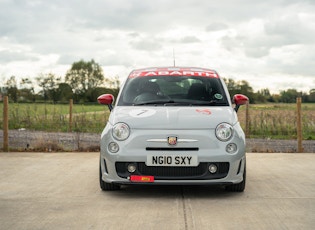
61,191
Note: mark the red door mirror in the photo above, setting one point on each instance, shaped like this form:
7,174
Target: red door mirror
239,99
106,99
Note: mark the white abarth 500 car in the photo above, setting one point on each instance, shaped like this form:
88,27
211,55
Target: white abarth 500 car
173,125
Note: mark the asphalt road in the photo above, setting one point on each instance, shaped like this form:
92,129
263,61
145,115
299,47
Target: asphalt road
61,191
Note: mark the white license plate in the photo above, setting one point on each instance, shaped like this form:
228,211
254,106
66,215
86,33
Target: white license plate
172,160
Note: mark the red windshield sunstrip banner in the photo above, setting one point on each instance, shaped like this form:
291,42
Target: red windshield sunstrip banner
179,72
143,179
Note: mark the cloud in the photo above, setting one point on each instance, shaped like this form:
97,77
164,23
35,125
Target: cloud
146,44
273,38
216,26
14,56
189,39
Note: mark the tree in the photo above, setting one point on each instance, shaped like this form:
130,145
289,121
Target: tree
11,89
84,76
27,90
49,83
246,89
264,95
241,87
65,92
289,96
231,85
312,95
112,83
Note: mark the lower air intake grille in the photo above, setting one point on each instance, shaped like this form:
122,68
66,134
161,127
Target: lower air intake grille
200,172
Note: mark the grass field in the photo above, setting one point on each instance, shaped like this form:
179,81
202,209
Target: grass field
278,121
275,121
55,117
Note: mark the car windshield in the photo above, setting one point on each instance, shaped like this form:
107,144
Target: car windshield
173,90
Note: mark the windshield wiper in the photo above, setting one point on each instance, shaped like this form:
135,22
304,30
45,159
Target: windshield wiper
163,102
211,103
176,103
153,103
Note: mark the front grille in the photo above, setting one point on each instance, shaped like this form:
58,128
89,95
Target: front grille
175,173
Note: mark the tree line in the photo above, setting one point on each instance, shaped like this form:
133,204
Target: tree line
264,95
85,81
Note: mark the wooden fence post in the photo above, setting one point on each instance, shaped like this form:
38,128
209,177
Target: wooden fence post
6,124
247,122
299,125
70,114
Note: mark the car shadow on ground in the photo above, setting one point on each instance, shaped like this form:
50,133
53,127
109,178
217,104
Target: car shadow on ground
172,191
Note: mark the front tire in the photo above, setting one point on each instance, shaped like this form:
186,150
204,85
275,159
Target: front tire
240,187
107,186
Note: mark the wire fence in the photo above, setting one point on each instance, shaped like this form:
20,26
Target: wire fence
278,121
57,127
57,117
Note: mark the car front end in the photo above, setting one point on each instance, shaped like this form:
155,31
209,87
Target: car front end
173,142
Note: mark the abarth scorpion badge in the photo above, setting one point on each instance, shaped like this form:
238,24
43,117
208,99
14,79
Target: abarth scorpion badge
172,140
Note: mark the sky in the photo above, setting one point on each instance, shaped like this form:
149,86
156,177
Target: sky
268,43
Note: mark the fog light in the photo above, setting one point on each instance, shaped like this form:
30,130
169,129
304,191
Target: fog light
231,148
131,168
213,168
113,147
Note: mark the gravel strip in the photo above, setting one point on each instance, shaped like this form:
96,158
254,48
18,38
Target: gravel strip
25,140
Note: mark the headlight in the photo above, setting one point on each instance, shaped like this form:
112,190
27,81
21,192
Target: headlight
121,131
224,131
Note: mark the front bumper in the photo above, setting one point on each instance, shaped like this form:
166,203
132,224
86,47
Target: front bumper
227,173
207,149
